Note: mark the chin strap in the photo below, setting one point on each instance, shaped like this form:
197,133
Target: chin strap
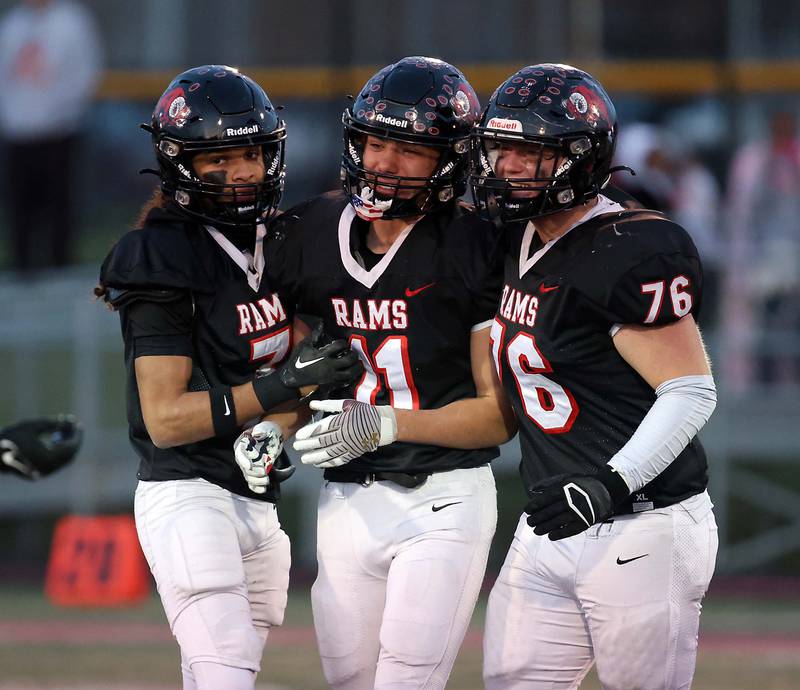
618,168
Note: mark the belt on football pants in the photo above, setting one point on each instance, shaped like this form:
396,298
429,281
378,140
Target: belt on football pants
408,481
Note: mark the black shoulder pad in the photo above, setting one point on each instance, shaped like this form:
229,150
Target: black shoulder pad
119,298
161,256
614,248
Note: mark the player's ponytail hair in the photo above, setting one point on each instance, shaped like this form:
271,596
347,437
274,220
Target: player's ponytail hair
157,200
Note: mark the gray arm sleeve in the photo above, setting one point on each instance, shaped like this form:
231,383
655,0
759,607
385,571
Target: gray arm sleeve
683,405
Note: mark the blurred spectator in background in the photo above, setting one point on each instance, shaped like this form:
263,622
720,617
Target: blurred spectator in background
695,204
640,148
49,62
670,177
762,294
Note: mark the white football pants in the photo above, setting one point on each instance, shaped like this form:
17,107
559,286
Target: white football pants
221,563
399,573
625,593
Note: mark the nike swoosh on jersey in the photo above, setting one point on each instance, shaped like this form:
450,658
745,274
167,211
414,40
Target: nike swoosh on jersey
436,508
411,293
548,288
227,409
623,561
303,365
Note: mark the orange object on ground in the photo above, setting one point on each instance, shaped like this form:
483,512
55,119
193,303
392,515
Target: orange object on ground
96,561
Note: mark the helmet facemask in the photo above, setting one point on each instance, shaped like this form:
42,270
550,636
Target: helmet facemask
211,198
551,187
391,198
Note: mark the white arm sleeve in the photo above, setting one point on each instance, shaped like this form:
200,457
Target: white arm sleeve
683,405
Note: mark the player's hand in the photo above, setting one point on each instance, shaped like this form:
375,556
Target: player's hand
567,504
355,428
256,451
317,360
37,447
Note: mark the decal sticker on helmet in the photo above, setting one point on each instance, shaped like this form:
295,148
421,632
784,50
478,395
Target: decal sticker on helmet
241,131
576,105
504,124
583,103
460,104
172,108
393,121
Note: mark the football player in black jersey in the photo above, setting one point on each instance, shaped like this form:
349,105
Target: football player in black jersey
208,349
409,276
596,344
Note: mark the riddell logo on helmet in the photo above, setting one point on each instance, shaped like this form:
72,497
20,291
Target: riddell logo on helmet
239,131
501,123
389,120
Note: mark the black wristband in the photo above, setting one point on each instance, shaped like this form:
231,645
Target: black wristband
271,391
223,411
613,481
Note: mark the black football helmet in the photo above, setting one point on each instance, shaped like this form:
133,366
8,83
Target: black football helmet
548,105
419,100
215,107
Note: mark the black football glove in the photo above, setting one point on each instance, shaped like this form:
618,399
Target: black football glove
283,468
37,447
567,504
320,361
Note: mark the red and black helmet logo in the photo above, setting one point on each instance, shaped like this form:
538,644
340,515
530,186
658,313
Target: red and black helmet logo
172,108
586,104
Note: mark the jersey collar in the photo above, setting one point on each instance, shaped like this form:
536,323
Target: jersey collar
355,269
526,260
253,266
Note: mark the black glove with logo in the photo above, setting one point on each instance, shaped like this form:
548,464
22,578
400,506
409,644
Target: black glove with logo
37,447
318,360
315,361
567,504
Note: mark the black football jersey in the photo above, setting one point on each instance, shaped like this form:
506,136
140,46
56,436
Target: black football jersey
235,324
577,400
409,316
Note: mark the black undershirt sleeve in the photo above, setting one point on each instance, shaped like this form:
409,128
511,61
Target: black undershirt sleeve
160,328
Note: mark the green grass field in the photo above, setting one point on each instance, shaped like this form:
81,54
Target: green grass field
745,645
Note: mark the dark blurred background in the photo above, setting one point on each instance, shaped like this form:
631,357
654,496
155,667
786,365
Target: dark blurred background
707,96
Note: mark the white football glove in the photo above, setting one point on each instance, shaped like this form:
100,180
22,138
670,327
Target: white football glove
256,451
357,428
